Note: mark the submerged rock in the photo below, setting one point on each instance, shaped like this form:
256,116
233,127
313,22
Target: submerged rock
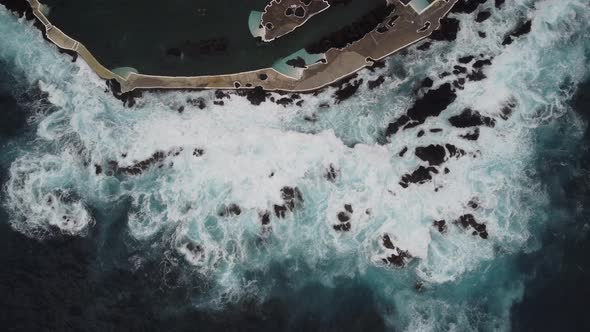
331,173
291,197
375,83
521,30
230,210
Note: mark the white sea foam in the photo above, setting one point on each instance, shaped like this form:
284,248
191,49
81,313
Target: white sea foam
179,203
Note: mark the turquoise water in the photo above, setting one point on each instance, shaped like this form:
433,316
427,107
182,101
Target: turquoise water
133,235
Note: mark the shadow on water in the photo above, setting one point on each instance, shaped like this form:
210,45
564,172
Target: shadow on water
559,273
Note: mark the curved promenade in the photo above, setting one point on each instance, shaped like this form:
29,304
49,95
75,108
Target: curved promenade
402,28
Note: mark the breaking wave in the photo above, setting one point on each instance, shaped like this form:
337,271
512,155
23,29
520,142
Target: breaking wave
254,201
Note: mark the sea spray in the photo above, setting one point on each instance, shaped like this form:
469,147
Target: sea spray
200,182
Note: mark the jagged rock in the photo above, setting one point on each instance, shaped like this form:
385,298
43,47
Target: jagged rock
467,6
431,104
468,220
399,257
472,136
230,210
466,59
343,216
471,118
403,151
419,176
482,16
265,218
347,90
447,31
441,225
433,154
375,83
521,30
331,173
348,208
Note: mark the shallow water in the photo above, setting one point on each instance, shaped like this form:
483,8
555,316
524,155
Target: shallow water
125,257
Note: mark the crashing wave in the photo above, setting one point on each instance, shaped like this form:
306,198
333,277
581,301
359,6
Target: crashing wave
234,189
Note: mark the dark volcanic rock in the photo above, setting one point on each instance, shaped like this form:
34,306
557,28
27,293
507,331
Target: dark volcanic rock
198,102
508,109
467,6
476,75
459,70
375,83
291,197
448,30
343,216
468,220
347,90
454,151
139,167
128,98
97,169
387,242
343,227
431,104
466,59
420,175
499,3
219,94
284,101
482,16
398,257
230,210
472,136
433,154
427,83
470,118
265,218
331,173
403,151
256,96
521,30
441,225
481,63
348,208
280,210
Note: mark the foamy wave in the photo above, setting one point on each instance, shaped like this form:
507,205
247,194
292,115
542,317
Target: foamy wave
201,181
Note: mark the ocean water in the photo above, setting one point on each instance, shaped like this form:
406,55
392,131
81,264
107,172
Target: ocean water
87,247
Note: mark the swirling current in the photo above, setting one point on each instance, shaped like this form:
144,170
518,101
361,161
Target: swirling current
450,192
